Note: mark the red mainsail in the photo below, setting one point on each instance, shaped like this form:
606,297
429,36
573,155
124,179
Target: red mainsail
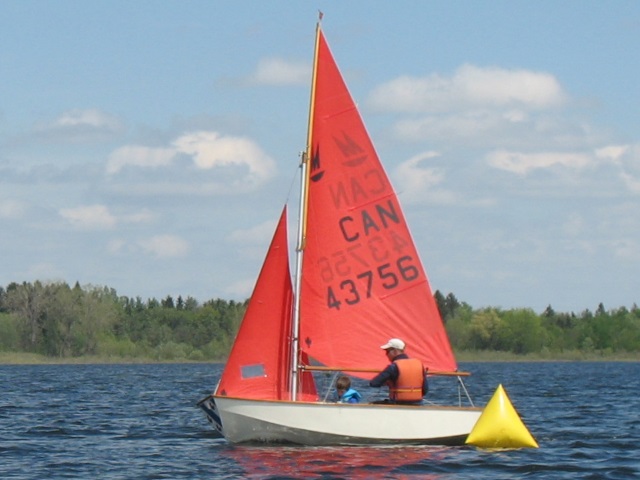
362,279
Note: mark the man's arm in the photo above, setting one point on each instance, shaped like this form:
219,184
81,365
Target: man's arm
384,376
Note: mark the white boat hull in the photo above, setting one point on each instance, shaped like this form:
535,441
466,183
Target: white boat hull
310,423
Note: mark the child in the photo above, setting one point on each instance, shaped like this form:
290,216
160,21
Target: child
346,394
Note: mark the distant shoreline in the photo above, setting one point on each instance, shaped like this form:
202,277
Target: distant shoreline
35,359
572,356
13,358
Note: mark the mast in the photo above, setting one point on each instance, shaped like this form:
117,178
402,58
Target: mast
302,225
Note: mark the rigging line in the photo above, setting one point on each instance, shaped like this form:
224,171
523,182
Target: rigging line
292,183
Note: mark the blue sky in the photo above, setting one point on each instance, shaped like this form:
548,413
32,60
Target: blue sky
149,146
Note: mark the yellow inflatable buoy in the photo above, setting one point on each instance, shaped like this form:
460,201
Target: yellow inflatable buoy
500,426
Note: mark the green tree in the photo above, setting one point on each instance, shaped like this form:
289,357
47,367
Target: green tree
441,303
484,328
28,302
9,333
168,302
521,332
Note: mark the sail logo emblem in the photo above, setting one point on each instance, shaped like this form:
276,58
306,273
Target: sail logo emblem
316,171
353,153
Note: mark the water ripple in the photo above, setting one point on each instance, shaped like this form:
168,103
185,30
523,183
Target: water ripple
139,421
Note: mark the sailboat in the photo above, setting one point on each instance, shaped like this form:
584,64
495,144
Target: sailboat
358,281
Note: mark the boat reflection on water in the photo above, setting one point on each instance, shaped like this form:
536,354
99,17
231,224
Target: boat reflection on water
397,462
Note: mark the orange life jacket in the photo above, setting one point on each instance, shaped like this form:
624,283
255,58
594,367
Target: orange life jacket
408,386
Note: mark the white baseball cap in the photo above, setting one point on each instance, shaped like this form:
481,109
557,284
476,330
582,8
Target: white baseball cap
394,343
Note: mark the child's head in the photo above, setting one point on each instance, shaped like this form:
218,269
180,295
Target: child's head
343,383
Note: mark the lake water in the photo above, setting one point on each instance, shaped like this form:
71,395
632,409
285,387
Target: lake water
140,422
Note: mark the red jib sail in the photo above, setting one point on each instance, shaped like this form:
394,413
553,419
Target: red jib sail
362,280
260,360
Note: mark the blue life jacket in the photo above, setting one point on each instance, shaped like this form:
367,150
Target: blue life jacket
350,396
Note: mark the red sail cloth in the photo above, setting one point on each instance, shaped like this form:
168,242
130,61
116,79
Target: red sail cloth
260,360
362,280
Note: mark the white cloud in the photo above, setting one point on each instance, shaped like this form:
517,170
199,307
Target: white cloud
627,249
476,124
508,128
98,217
620,161
632,183
165,246
139,156
470,87
522,163
277,71
515,116
115,246
81,126
92,118
11,209
627,159
211,150
236,164
612,152
251,243
415,180
91,217
241,288
143,216
44,271
497,86
255,235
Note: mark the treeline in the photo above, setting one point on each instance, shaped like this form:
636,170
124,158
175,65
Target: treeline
56,320
522,331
